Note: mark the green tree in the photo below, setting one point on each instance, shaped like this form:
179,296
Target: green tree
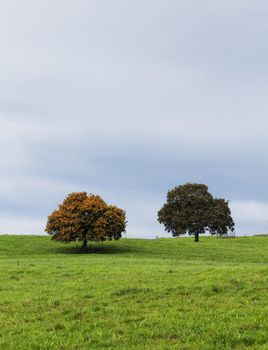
191,209
86,218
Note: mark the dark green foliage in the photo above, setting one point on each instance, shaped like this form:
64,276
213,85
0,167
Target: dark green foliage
191,209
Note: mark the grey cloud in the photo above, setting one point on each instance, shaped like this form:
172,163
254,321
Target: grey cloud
129,99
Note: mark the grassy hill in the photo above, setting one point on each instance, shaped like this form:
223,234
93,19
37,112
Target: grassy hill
134,294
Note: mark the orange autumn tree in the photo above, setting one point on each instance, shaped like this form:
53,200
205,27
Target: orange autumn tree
86,218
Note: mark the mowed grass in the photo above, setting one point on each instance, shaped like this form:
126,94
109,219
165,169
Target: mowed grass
134,294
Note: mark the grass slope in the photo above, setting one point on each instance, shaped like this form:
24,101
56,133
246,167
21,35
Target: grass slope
134,294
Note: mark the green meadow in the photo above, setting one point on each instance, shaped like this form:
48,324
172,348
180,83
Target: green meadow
134,294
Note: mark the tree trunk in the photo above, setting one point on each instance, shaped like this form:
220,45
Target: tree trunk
196,237
84,245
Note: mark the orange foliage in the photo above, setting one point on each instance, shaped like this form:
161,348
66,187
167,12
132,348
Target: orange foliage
86,218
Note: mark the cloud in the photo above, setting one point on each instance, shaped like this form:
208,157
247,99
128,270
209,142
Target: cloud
251,217
21,225
250,211
130,99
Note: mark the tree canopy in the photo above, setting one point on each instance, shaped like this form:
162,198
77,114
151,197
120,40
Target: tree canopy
191,209
86,218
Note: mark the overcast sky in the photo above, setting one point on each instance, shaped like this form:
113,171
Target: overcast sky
127,99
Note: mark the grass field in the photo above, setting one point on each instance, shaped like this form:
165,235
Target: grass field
134,294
